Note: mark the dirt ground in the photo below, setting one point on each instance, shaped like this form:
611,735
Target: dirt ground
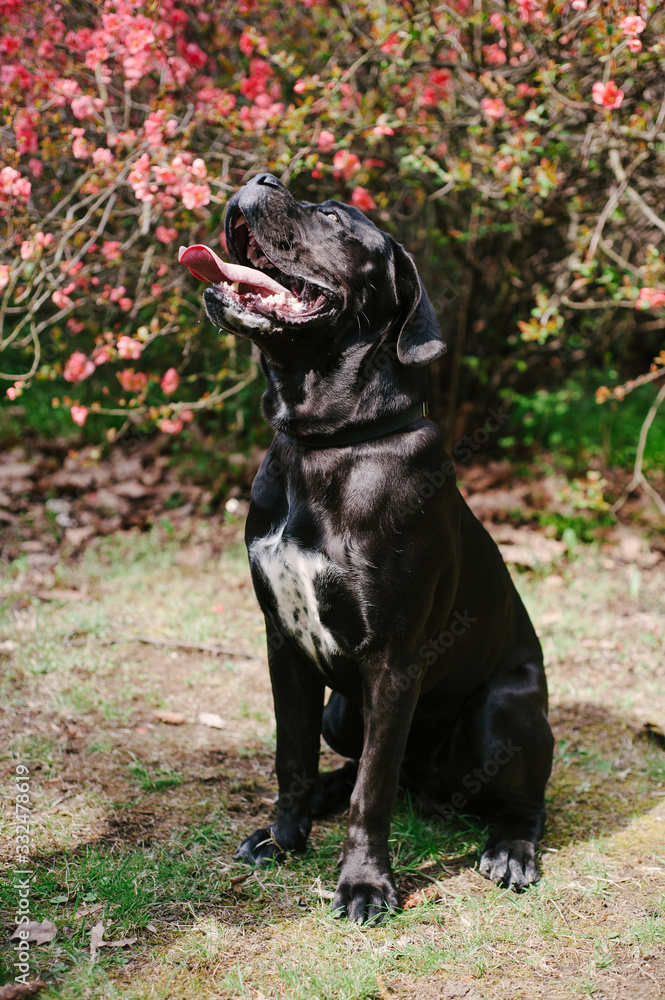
135,813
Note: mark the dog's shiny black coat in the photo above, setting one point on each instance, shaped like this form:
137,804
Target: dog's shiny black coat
375,578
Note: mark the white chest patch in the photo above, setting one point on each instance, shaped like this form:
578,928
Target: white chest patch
290,572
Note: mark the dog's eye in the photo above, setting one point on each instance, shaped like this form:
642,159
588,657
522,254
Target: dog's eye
331,215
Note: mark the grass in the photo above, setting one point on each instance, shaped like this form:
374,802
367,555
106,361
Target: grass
135,822
568,422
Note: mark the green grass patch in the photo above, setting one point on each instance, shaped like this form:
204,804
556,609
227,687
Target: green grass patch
568,422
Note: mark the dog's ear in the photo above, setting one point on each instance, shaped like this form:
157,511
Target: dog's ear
419,341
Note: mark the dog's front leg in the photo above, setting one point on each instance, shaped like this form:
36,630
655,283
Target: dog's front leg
366,889
298,696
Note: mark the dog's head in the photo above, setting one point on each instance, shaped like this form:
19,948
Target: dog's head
303,274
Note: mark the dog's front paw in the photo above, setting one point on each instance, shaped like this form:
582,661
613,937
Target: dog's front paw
510,863
366,896
273,844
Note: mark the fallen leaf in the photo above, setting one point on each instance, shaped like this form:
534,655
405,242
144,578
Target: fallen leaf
77,535
120,943
17,991
421,896
96,936
211,719
170,718
37,932
60,594
132,489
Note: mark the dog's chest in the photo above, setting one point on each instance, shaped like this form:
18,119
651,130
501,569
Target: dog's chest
296,578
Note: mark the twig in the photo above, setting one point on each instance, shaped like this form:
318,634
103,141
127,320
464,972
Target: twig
620,174
638,476
611,204
204,647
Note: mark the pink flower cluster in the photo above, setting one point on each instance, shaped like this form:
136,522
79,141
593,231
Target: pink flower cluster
165,183
13,185
263,92
132,381
650,298
632,26
78,367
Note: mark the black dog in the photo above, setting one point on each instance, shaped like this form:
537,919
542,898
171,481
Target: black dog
374,576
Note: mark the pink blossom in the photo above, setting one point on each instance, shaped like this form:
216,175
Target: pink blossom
634,45
128,348
26,137
493,107
44,239
529,10
246,44
27,250
96,55
79,414
116,293
170,426
75,325
4,275
102,354
78,367
362,199
22,188
380,130
86,107
80,147
165,235
633,24
36,167
111,250
187,415
326,141
345,164
194,55
125,303
132,381
7,177
102,155
494,54
16,389
198,168
579,4
61,300
608,96
650,298
195,195
170,381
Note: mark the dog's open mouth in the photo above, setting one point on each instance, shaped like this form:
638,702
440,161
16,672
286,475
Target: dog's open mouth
257,285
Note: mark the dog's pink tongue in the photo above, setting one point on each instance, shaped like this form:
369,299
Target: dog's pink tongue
207,266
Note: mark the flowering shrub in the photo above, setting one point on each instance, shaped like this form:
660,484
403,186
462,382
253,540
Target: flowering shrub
516,145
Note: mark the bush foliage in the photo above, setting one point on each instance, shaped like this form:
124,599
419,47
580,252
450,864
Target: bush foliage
517,147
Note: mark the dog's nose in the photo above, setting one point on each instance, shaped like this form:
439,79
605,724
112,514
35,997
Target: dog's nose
269,179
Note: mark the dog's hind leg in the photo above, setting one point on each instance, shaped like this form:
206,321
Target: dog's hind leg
502,751
343,732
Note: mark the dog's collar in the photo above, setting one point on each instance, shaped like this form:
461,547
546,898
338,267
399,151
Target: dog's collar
366,432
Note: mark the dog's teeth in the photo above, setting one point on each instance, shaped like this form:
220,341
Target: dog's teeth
240,221
235,286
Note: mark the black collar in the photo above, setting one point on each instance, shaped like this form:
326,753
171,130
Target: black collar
364,432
